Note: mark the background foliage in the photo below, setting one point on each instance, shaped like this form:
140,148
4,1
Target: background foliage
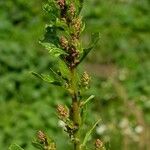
119,67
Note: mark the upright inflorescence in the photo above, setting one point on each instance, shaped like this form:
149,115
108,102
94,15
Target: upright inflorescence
74,23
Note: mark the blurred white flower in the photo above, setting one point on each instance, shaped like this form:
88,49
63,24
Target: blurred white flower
101,129
139,129
124,123
61,124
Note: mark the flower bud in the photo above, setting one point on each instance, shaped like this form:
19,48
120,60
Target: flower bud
98,144
63,112
64,42
41,136
74,40
76,24
72,10
61,3
85,79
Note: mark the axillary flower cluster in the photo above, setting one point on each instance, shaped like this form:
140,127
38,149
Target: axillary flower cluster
71,43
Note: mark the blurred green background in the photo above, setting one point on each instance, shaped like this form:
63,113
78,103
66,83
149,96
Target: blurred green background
119,66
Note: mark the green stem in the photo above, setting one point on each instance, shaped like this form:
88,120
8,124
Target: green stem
75,110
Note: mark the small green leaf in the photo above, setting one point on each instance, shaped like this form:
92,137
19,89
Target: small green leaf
53,50
50,35
15,147
37,145
51,9
47,78
63,69
89,133
87,100
60,24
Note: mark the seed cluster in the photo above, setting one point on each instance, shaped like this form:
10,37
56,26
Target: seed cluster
47,145
85,80
72,10
41,136
61,3
76,25
63,8
62,112
64,42
98,144
70,43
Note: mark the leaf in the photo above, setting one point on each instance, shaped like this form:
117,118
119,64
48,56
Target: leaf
83,105
63,69
107,146
51,8
37,145
15,147
47,78
89,133
59,75
87,50
61,25
87,100
53,50
51,40
50,35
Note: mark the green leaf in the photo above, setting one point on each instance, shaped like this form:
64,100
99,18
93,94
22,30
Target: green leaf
50,35
37,145
89,133
63,69
58,75
87,100
47,78
61,25
52,10
15,147
87,50
53,50
83,105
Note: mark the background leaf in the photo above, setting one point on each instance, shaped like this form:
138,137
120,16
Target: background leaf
86,51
